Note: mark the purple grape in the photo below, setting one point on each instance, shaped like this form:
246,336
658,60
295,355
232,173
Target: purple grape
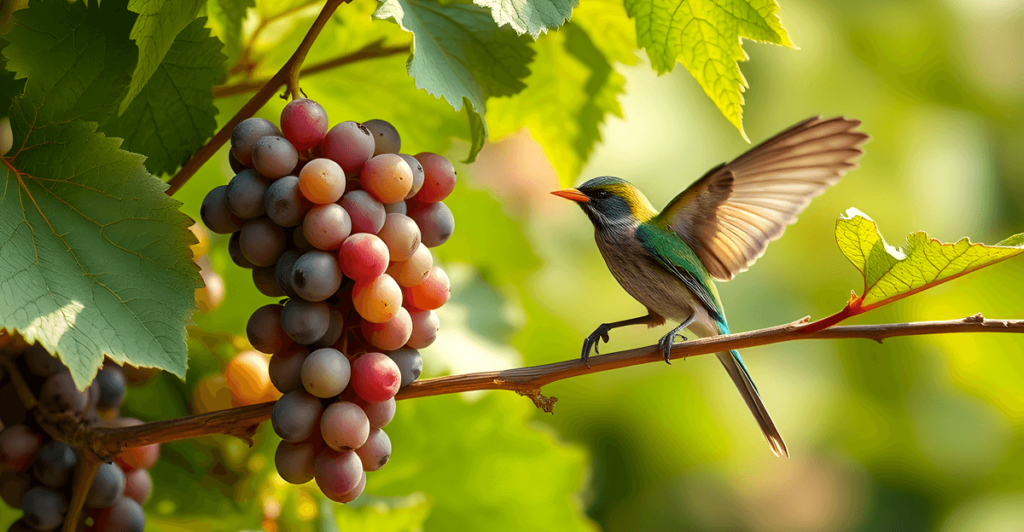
54,464
274,157
40,362
385,136
295,416
344,426
326,372
334,330
44,508
235,251
124,516
111,382
337,473
285,203
409,362
376,451
107,486
245,194
417,174
349,144
327,226
435,221
265,280
261,242
380,414
216,214
397,207
246,134
316,275
60,394
305,321
295,462
286,368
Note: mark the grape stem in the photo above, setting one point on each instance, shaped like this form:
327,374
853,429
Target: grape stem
288,75
527,381
84,475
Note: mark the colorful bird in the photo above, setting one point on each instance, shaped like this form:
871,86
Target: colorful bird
716,228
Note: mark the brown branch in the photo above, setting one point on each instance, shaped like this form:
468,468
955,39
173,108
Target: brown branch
287,72
84,476
529,380
371,51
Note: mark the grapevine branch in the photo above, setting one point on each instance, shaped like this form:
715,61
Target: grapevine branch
288,75
526,381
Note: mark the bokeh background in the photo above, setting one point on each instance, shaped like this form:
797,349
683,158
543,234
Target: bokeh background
916,434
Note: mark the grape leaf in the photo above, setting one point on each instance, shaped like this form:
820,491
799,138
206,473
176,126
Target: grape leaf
563,119
9,88
461,55
529,16
705,36
892,273
226,18
158,24
174,114
608,19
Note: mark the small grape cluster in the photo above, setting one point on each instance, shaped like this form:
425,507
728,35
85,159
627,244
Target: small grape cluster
38,471
340,223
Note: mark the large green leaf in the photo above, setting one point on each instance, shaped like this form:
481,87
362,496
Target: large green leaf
174,114
226,18
461,55
561,117
158,24
892,273
705,36
529,16
96,258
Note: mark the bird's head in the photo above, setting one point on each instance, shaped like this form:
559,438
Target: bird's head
610,201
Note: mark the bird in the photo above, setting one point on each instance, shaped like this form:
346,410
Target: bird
714,229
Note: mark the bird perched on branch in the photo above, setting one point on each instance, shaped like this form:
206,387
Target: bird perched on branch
716,228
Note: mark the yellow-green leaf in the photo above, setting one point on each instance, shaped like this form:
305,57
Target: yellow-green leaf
892,273
704,35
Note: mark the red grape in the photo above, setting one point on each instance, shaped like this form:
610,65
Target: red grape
337,473
438,177
18,447
349,144
304,123
431,294
364,257
367,214
138,485
375,377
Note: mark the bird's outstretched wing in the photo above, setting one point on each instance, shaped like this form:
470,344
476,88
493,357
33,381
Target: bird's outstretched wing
729,215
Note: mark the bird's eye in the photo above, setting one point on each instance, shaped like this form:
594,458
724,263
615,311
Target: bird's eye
601,194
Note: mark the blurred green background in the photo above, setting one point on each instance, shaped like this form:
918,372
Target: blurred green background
917,434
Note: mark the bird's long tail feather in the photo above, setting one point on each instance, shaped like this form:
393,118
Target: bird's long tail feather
734,365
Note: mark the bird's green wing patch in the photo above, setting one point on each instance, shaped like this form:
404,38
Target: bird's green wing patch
675,256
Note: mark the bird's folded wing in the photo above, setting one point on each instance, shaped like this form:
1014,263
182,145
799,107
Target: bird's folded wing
729,215
675,256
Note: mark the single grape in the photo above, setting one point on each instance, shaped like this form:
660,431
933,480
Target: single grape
349,144
425,325
337,473
377,300
327,226
295,462
344,426
245,194
274,157
438,178
375,377
246,134
417,174
431,294
402,236
409,363
235,251
296,415
398,207
364,257
415,270
18,447
286,368
44,508
391,334
211,295
334,330
316,275
322,181
304,123
352,494
107,486
234,163
435,221
264,329
283,271
326,372
60,394
134,458
6,135
40,362
266,282
387,177
376,451
262,242
385,136
212,394
367,214
13,487
305,321
285,203
380,413
215,212
125,515
54,463
248,378
138,485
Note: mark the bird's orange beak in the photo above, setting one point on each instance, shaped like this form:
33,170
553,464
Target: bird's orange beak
572,194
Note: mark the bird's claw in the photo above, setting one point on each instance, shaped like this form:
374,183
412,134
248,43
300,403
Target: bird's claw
593,341
666,342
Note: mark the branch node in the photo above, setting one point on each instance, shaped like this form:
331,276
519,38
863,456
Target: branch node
541,401
977,318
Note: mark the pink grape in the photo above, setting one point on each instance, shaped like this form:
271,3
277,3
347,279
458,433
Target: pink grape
18,447
417,174
376,451
337,473
327,226
431,294
377,300
304,123
326,372
391,334
295,462
286,368
133,458
380,413
387,177
295,415
415,270
438,178
344,426
402,236
352,494
425,326
261,242
138,485
367,214
435,221
246,134
264,329
216,214
274,157
385,136
349,144
364,257
322,181
375,377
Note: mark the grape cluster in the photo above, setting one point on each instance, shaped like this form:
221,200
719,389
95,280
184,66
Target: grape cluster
341,224
37,472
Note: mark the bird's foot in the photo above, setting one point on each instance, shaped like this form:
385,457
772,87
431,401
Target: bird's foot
666,342
592,341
